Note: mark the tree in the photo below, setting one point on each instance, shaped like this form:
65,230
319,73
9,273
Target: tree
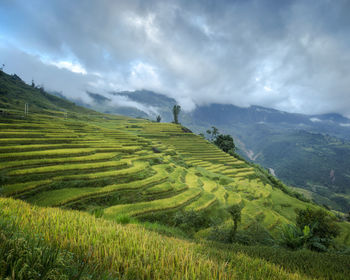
159,118
236,214
176,112
213,133
225,143
33,84
322,225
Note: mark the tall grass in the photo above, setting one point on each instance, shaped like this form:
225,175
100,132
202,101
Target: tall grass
27,256
131,252
304,262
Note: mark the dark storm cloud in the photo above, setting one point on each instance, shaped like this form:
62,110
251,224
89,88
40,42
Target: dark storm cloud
290,55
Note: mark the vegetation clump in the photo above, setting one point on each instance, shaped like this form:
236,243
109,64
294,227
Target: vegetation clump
225,143
235,212
315,230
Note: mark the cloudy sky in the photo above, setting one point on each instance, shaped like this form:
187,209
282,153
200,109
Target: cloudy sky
288,55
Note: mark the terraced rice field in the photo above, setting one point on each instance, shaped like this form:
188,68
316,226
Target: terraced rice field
129,166
116,168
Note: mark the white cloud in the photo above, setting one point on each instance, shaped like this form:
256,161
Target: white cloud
73,67
143,75
144,23
123,101
315,120
268,89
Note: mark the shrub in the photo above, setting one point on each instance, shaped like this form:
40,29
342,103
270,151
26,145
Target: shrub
185,129
225,143
293,237
220,234
123,219
254,234
156,150
315,230
191,220
322,225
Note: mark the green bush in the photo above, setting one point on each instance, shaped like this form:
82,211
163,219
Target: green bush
254,234
315,230
123,219
293,237
218,234
191,220
322,227
225,143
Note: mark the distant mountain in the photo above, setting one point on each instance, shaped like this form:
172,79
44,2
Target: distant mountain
147,97
221,115
311,152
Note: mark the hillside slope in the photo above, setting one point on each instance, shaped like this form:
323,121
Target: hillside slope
114,166
14,94
315,144
117,169
127,166
131,252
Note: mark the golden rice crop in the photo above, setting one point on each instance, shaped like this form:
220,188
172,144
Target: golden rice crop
130,251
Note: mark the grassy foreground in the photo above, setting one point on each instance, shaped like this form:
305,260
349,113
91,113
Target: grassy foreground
131,252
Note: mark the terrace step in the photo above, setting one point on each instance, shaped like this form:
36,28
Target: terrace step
51,161
70,167
142,208
204,202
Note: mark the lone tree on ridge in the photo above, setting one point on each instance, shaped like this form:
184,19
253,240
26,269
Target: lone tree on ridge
176,112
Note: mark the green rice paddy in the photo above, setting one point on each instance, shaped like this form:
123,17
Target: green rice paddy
119,166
